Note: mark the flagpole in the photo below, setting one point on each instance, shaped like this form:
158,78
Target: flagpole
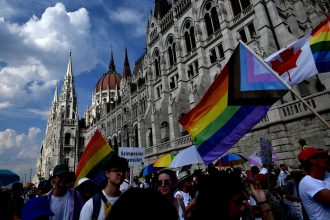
287,85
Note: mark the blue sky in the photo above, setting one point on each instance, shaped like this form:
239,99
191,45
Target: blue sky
35,40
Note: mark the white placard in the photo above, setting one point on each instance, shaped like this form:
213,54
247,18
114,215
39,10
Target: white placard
134,155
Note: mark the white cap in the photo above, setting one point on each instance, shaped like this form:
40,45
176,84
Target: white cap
82,180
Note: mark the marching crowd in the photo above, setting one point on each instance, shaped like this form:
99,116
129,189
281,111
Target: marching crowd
259,193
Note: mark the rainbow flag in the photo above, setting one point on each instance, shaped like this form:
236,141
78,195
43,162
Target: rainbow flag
305,57
91,163
213,124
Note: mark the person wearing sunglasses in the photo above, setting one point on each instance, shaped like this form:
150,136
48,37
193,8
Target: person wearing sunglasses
166,185
314,188
99,206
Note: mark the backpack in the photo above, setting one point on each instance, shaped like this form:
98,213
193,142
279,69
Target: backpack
97,204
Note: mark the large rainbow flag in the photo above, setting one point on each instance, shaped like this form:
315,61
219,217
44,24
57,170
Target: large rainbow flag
215,125
305,57
91,163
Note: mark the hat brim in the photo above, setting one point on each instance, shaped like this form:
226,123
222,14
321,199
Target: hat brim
183,178
60,172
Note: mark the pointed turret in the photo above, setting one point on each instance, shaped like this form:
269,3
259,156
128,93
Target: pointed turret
69,68
112,66
127,69
55,99
161,8
68,99
55,103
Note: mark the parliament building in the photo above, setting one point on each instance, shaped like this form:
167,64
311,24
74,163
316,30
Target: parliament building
188,42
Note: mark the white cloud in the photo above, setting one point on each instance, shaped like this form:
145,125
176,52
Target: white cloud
28,153
6,10
36,54
127,16
10,139
5,104
132,17
33,132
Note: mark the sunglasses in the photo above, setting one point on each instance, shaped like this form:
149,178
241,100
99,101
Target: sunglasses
118,170
164,182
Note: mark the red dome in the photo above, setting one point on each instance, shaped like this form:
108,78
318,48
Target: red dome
109,81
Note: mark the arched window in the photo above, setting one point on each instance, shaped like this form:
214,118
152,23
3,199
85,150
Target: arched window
189,36
183,131
68,111
164,132
239,5
171,51
157,62
211,19
149,137
136,136
115,144
67,139
66,161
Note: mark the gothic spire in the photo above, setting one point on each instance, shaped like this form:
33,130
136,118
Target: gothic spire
69,68
112,66
68,99
55,100
127,69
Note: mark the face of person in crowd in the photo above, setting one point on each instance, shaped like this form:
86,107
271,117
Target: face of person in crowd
187,183
236,206
321,161
116,175
164,184
62,180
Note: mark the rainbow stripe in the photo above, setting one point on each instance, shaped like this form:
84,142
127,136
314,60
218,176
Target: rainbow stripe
320,46
216,126
96,153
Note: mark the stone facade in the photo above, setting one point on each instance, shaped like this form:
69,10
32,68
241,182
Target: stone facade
188,43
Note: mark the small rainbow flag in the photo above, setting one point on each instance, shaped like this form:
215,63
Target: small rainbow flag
91,163
305,57
320,46
213,124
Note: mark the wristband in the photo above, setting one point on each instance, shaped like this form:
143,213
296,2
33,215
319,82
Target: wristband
263,202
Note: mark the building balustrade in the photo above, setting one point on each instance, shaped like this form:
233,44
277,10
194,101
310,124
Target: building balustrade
69,121
241,15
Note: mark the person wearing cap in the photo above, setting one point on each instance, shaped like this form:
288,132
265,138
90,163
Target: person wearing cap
184,186
114,170
37,208
65,202
87,188
43,188
314,189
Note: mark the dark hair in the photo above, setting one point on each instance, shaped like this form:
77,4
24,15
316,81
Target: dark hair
116,162
147,204
171,173
302,142
214,195
255,170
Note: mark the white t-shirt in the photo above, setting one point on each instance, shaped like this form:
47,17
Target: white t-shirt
186,197
60,206
124,186
87,210
308,187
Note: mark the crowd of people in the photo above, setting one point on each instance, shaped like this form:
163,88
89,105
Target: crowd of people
258,193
